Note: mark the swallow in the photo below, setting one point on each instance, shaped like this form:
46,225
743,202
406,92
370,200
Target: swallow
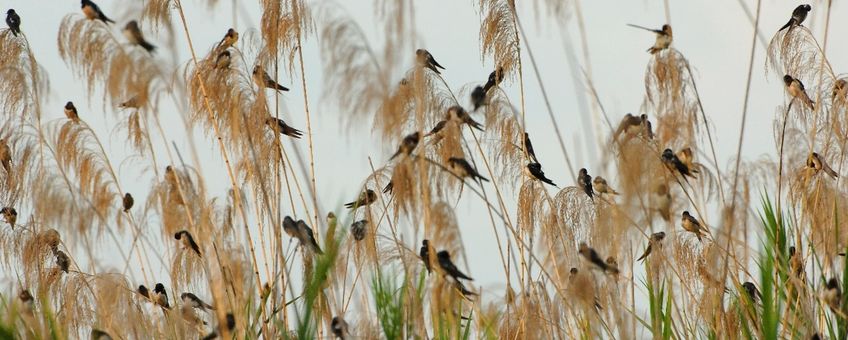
290,226
592,256
752,291
187,240
142,290
528,149
463,169
14,22
63,261
673,163
629,125
458,114
279,126
424,254
436,129
407,145
817,163
71,112
93,12
135,37
365,198
425,59
358,229
388,188
839,90
601,186
339,327
229,39
664,37
691,224
223,60
534,171
799,14
195,302
10,215
653,241
833,295
307,237
5,156
160,296
478,97
97,334
796,90
130,103
447,265
584,181
495,79
264,80
646,127
661,201
796,263
128,202
687,157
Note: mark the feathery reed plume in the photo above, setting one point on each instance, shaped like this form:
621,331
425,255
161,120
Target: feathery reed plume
669,93
498,33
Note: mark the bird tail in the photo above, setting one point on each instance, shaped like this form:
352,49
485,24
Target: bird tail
789,23
484,179
291,132
653,50
281,88
147,46
350,205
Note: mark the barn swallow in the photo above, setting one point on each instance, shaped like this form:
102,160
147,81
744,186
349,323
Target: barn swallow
97,334
752,291
687,157
691,224
264,80
592,256
407,145
358,229
425,59
478,97
10,215
130,103
223,60
646,126
447,265
495,79
187,240
339,327
135,37
839,90
290,226
653,241
534,171
195,302
279,126
629,125
817,163
463,169
63,261
128,202
796,263
160,296
229,39
93,12
142,290
833,295
661,201
673,163
601,186
307,237
664,37
424,254
796,90
439,126
5,156
14,22
458,114
71,112
365,198
798,16
584,181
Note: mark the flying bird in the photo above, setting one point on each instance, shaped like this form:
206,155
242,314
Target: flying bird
10,215
14,22
664,37
799,14
128,202
673,163
71,112
653,242
93,12
817,163
160,296
447,265
592,256
187,241
528,149
263,79
407,145
365,198
358,229
463,169
601,186
279,126
584,181
339,327
458,114
135,37
424,254
425,59
796,89
691,224
195,302
534,171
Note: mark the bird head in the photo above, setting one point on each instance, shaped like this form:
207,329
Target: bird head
659,235
832,283
685,214
70,106
425,243
178,235
787,79
10,12
443,255
666,29
583,172
573,271
160,288
791,251
807,7
644,117
667,153
420,52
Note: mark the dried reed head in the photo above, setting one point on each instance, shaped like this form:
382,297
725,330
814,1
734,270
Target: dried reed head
499,33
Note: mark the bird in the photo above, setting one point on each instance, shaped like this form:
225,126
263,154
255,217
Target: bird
195,302
796,263
661,201
223,60
5,156
752,291
339,327
653,241
478,97
358,229
128,202
534,171
817,163
264,80
647,129
27,300
584,181
673,163
142,290
365,198
14,21
71,112
601,186
63,261
691,224
798,16
93,12
796,90
833,295
279,126
629,125
463,169
664,37
458,114
290,227
592,256
839,90
407,145
187,240
307,237
10,215
229,39
135,37
495,79
424,254
97,334
160,296
687,157
447,265
425,59
528,148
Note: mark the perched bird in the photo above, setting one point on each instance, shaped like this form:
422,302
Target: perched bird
630,125
10,215
339,327
528,149
796,263
425,59
664,37
463,169
63,261
93,12
478,97
14,22
647,129
264,80
661,201
798,16
358,229
584,181
365,198
195,302
424,254
135,37
5,156
450,269
839,91
687,157
653,242
142,290
307,237
752,291
279,126
407,145
71,112
187,240
534,171
457,114
817,163
796,90
601,186
160,296
97,334
128,202
673,163
592,256
223,60
229,39
691,224
833,295
290,227
439,126
495,79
